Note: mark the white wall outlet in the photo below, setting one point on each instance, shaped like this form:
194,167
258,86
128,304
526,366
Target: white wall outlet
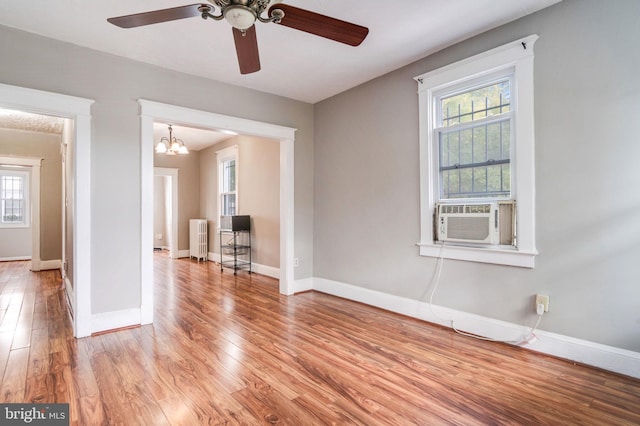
542,299
296,262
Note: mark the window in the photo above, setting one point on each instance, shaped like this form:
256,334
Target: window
228,190
474,141
477,146
227,181
14,199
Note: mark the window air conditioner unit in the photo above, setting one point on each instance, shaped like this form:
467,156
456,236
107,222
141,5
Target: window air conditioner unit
487,223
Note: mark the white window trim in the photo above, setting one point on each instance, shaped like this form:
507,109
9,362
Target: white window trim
26,174
517,55
223,155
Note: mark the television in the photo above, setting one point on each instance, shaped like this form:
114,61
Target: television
235,223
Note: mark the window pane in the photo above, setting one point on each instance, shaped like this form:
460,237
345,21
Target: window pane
479,144
479,180
228,203
506,179
466,182
473,182
466,146
505,135
475,104
13,211
229,176
12,196
475,161
450,149
494,179
495,142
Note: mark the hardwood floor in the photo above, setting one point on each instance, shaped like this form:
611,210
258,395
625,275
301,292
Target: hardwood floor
228,349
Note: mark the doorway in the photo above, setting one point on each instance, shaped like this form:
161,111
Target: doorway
169,205
22,240
78,111
151,111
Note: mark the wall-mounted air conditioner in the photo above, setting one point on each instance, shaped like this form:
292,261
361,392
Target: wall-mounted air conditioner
485,223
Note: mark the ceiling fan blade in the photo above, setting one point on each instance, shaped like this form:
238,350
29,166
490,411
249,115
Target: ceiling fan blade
247,50
321,25
157,16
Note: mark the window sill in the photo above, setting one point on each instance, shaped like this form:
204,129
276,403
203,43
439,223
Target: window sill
14,226
493,255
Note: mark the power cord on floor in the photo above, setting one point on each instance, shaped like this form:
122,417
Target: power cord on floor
530,337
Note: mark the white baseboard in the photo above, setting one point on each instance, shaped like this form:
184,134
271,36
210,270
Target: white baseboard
113,320
269,271
602,356
184,253
303,285
46,265
14,258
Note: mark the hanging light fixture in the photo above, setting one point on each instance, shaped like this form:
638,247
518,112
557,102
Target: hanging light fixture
171,145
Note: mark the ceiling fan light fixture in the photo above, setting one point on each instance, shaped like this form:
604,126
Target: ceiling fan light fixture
240,17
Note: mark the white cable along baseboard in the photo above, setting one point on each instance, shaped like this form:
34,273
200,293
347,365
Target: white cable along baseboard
583,351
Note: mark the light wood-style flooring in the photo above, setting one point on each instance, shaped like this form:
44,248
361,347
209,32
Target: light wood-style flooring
228,349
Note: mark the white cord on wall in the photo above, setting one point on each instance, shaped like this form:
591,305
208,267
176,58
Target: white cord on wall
530,337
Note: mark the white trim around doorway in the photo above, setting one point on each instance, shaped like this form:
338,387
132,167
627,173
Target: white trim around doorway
79,110
151,111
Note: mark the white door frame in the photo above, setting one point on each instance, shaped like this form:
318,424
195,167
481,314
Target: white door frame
79,110
172,174
151,111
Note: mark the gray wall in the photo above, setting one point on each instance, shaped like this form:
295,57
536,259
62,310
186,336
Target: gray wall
115,84
587,96
46,146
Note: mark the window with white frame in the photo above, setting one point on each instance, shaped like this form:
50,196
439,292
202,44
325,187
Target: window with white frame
227,181
14,197
477,147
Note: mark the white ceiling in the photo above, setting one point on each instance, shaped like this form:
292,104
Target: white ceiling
18,120
295,64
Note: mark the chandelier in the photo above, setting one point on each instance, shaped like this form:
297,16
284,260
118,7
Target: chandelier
170,145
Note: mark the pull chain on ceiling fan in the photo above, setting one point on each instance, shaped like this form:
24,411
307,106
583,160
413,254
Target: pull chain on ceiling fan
242,15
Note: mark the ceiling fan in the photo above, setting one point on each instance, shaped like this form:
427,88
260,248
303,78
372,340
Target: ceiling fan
242,15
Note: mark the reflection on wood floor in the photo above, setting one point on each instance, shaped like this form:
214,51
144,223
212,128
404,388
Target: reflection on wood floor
228,349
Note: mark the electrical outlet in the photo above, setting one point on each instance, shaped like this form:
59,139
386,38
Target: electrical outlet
544,300
296,262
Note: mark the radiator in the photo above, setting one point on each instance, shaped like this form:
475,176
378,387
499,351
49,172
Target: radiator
198,239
